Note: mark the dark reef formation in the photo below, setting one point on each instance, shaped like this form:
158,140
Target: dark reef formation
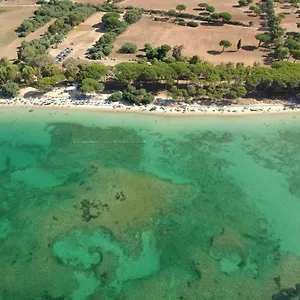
288,294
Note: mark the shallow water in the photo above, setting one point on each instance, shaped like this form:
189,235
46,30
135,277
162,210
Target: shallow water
128,206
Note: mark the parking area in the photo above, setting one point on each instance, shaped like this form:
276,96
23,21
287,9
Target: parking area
62,55
81,38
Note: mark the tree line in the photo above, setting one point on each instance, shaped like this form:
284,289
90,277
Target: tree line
285,45
182,79
63,11
222,17
67,14
113,27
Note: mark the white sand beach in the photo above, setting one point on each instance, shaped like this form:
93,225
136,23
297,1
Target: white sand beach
162,106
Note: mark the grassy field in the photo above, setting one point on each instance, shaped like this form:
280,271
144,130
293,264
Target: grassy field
231,6
10,19
203,40
82,37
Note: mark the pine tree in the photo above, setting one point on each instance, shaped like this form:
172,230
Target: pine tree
239,44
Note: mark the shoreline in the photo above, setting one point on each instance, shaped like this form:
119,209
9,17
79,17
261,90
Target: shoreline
152,109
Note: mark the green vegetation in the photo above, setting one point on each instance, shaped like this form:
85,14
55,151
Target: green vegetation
45,83
93,71
255,9
133,15
9,89
89,85
113,26
225,17
158,53
225,44
295,55
180,78
116,97
137,96
274,24
192,24
177,53
181,7
163,67
128,48
103,46
65,12
262,38
285,44
111,22
203,6
210,9
242,2
171,13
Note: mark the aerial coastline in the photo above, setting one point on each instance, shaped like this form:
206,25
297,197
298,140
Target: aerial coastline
161,106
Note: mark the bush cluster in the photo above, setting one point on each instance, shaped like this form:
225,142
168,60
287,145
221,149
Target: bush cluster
65,12
137,96
113,26
223,17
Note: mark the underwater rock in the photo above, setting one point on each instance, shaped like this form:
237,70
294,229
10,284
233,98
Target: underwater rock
288,294
120,196
92,209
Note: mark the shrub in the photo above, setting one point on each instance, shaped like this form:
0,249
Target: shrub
10,89
182,23
90,85
172,13
242,2
192,24
133,95
128,48
115,97
147,47
133,15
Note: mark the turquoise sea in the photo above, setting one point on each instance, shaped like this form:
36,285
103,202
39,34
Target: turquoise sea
108,205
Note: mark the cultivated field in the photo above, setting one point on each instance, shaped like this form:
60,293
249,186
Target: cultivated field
203,40
231,6
82,37
17,2
289,23
10,19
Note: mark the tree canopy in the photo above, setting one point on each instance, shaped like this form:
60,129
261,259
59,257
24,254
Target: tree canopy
89,85
132,15
9,89
262,38
225,44
128,48
181,7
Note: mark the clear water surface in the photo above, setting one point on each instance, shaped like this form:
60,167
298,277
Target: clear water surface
128,206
